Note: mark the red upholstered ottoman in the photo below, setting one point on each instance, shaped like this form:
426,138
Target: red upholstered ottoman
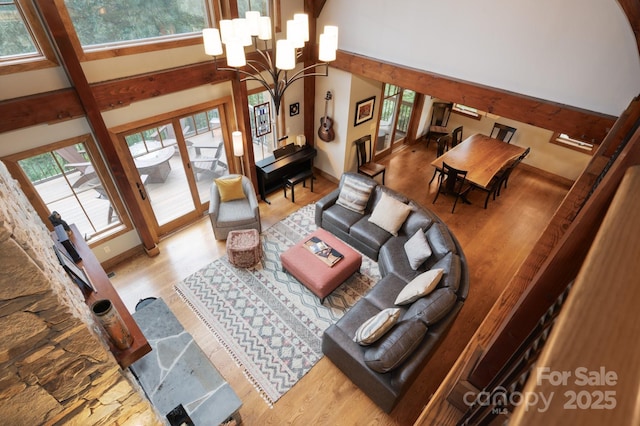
244,248
313,272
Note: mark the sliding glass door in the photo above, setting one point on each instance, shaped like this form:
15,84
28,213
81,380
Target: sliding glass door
176,160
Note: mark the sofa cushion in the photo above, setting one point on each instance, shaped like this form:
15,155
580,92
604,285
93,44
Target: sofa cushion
369,234
440,240
393,260
396,346
418,218
375,327
354,194
389,214
417,249
419,287
452,271
340,217
230,188
432,308
385,292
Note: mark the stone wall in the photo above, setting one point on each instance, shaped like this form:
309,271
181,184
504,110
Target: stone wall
55,367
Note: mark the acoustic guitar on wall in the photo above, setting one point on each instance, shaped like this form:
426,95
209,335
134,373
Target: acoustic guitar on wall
325,132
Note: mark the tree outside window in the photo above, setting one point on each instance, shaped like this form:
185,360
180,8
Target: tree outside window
98,23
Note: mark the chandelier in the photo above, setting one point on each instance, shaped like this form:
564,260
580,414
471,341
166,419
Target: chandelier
274,59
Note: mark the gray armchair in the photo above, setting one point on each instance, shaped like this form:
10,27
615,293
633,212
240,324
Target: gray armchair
234,214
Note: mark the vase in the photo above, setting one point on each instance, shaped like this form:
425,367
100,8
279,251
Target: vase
112,323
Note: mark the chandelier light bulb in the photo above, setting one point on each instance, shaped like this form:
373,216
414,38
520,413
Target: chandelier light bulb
285,55
252,18
235,54
303,25
226,30
212,43
264,24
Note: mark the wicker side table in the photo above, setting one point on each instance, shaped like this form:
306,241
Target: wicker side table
244,248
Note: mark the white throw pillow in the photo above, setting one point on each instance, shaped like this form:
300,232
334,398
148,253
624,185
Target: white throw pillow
354,194
375,327
389,214
420,286
417,249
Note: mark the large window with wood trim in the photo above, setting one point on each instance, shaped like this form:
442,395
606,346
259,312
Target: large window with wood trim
153,24
69,177
23,44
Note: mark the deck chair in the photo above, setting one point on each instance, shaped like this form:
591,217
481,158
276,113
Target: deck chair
75,160
210,165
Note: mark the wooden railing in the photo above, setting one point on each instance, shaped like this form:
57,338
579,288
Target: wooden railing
588,371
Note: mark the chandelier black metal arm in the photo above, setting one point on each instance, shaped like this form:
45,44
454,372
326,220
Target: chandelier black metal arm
279,85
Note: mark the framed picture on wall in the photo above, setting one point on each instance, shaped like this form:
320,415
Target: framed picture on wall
364,110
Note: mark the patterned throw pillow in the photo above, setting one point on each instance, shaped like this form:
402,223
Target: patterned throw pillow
417,249
230,188
389,214
419,287
375,327
354,194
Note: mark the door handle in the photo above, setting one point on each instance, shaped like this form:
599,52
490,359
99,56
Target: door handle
143,195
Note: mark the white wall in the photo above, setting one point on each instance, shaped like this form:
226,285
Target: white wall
576,52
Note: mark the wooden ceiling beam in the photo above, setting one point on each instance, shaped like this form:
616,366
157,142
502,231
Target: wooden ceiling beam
549,115
631,8
43,108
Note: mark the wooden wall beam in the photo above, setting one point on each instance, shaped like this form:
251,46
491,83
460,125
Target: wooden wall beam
49,107
549,115
122,92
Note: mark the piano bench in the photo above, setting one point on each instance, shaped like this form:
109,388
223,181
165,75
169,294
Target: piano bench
291,181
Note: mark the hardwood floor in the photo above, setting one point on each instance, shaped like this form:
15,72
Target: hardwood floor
495,242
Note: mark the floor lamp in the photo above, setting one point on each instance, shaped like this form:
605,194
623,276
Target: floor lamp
238,148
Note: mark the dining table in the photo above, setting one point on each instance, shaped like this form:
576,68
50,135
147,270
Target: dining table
481,156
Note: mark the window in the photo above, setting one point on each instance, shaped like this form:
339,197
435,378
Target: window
102,25
467,111
261,6
574,143
23,45
64,177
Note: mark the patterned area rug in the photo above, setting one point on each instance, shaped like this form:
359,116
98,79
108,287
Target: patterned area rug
270,323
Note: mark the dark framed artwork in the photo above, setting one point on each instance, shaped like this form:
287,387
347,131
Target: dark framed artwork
364,110
262,115
294,109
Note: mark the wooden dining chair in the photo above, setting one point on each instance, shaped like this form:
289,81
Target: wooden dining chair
507,173
440,113
502,132
443,143
456,136
365,155
453,182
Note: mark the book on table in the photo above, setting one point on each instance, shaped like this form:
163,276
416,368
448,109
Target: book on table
323,251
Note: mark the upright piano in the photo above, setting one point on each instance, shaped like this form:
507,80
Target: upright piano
287,161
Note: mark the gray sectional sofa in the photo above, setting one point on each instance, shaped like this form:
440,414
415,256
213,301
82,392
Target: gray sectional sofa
385,369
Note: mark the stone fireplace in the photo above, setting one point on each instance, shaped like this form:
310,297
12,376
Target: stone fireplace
55,366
